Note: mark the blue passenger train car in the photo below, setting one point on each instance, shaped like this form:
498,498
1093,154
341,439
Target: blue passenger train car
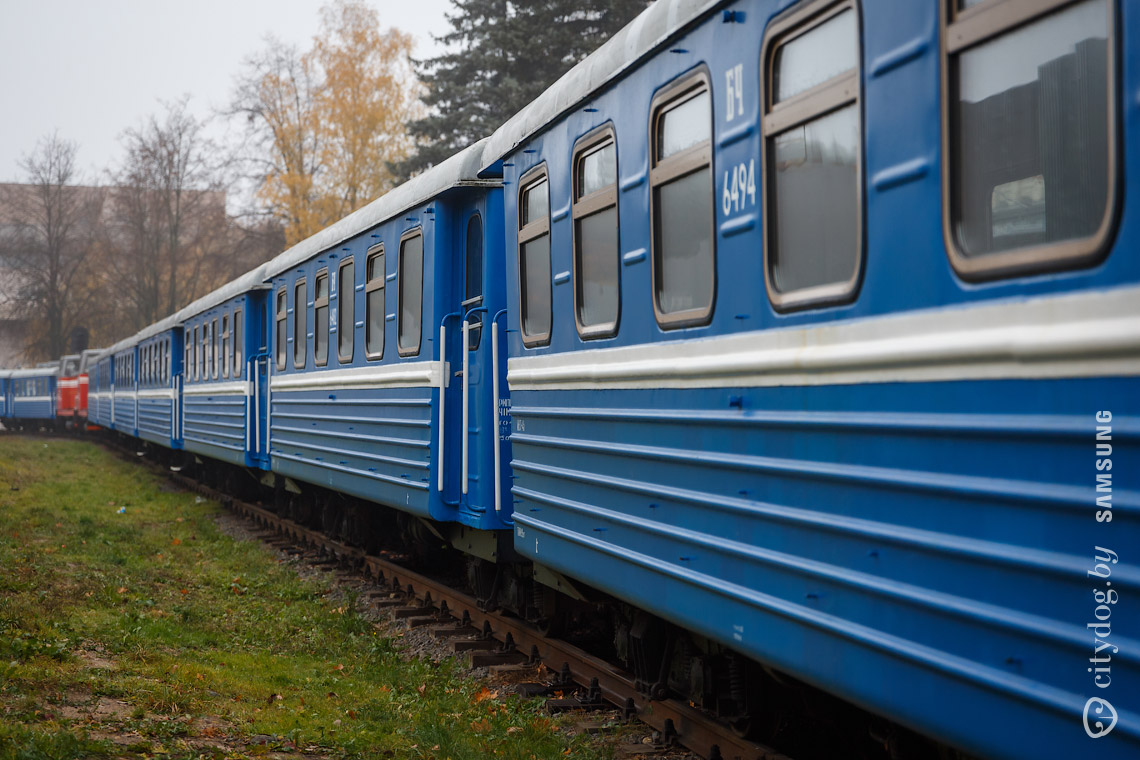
224,387
160,378
124,387
32,395
383,378
825,311
5,401
99,399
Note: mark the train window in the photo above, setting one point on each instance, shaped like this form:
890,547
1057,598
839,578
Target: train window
282,313
1030,145
321,318
374,303
346,311
225,357
596,293
534,257
473,293
188,345
811,159
300,312
214,339
239,341
411,294
197,351
681,179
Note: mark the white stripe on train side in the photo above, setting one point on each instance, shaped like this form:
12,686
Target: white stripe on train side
1088,334
216,389
157,393
424,374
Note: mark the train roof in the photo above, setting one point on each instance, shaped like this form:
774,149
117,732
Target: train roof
461,169
251,280
651,29
36,372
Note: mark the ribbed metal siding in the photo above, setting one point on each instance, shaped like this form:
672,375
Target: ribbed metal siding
154,419
833,531
215,425
375,445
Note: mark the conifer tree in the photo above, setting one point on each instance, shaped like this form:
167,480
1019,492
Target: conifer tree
502,55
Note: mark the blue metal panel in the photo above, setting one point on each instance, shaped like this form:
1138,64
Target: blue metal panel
160,376
834,532
371,445
216,391
921,547
355,425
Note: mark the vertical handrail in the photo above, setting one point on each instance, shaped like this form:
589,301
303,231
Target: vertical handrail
251,367
495,400
442,397
466,403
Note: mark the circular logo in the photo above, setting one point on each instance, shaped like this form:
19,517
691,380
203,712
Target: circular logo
1101,711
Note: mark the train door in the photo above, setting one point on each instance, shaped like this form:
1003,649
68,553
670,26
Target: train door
481,387
255,332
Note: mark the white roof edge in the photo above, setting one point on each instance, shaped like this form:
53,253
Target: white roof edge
36,372
648,31
459,170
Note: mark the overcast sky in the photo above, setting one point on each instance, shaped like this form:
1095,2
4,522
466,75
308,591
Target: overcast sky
92,68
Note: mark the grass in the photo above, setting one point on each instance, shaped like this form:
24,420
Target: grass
131,626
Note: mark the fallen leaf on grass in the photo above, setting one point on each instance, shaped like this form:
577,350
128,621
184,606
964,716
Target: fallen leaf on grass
422,689
485,693
514,729
175,541
122,589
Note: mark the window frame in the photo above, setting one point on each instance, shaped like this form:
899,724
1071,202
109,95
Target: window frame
377,283
226,337
961,30
300,309
321,303
527,233
404,238
586,206
827,97
197,352
237,358
349,261
281,323
214,345
677,92
474,328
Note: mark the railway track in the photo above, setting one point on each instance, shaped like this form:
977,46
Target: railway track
582,680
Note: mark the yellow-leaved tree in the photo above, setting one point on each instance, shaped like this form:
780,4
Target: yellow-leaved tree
324,124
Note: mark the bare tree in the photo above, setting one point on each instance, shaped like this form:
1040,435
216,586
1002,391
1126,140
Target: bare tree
169,216
49,233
